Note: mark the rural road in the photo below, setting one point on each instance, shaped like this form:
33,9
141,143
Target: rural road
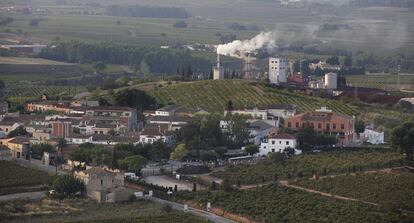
204,214
29,195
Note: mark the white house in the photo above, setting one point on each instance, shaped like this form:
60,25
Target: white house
151,135
278,143
372,136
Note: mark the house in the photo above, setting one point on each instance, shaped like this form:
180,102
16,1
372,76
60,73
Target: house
259,130
80,139
122,116
5,153
19,146
40,135
271,112
176,110
62,128
277,143
48,106
154,133
7,126
176,122
372,136
325,121
104,185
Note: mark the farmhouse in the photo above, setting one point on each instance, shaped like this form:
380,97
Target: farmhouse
104,185
19,147
153,133
325,121
277,143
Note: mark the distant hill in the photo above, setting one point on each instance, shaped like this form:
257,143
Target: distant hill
213,96
383,3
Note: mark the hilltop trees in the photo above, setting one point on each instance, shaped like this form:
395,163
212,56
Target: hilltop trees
134,98
402,138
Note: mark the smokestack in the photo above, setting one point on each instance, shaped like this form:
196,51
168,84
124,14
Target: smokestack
218,60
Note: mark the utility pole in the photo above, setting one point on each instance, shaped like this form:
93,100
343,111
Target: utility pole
398,77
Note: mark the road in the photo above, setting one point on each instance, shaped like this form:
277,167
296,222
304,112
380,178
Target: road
37,164
204,214
29,195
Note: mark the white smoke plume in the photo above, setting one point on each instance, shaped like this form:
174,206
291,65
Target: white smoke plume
239,47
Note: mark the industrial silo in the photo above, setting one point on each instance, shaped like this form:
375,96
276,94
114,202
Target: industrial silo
331,81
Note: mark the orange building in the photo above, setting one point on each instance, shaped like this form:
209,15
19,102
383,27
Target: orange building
325,121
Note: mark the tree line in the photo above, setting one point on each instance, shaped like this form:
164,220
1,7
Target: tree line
160,61
146,11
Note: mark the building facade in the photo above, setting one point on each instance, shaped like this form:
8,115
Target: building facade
277,70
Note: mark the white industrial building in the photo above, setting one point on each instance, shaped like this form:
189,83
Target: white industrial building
278,143
331,81
277,70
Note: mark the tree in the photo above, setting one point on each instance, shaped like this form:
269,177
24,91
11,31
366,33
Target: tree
38,149
252,149
238,127
159,151
133,163
333,60
359,126
99,66
402,138
211,133
134,98
19,131
229,105
100,156
67,185
180,24
179,152
61,143
348,61
405,105
34,22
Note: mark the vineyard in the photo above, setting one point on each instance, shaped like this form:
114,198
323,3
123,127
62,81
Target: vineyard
388,189
14,175
305,165
385,82
83,210
213,96
35,91
280,204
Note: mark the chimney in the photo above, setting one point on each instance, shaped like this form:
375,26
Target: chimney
218,60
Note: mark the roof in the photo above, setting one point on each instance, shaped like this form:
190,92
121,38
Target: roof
169,108
156,130
320,116
260,125
170,119
282,136
20,140
110,108
105,126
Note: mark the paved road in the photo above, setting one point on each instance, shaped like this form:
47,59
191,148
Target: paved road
204,214
29,195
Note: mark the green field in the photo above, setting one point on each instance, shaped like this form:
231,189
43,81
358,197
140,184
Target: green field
305,165
213,95
388,189
279,204
21,93
12,175
88,211
386,82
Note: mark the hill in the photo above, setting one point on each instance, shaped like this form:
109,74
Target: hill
213,96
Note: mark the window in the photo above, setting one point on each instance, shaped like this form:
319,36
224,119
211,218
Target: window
289,124
334,126
273,142
280,142
101,182
327,126
342,126
297,124
287,143
319,125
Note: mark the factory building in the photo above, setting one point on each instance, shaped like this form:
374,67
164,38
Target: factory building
277,70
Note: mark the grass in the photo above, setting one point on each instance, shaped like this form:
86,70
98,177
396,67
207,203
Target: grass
305,165
213,95
85,210
12,175
388,189
17,92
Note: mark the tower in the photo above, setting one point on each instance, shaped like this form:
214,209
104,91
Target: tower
218,71
277,70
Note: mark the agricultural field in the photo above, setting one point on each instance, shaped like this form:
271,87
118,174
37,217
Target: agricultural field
386,82
387,189
26,92
274,203
88,211
325,163
213,95
12,175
